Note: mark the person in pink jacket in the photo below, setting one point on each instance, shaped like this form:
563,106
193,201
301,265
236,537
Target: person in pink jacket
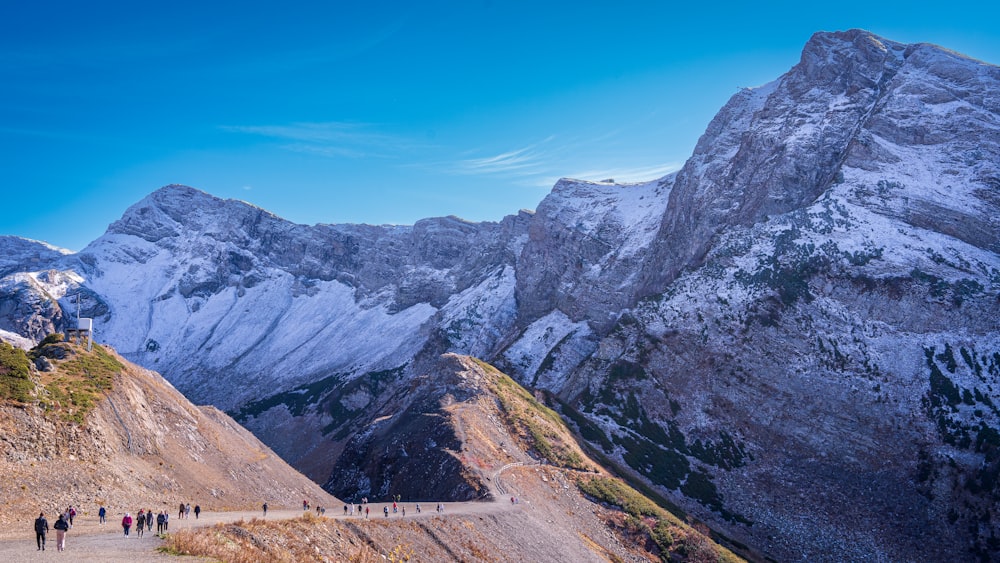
127,522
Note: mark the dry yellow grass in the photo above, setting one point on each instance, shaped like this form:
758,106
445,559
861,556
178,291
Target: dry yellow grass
305,539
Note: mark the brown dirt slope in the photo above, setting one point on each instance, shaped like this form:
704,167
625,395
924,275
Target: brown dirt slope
99,430
510,444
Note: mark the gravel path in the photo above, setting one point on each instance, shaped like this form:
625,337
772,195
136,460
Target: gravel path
89,541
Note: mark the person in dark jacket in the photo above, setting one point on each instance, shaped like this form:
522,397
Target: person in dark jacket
61,527
41,528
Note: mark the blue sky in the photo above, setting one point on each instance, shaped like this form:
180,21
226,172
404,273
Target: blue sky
385,112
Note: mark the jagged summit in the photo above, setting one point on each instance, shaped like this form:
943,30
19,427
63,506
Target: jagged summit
852,97
794,337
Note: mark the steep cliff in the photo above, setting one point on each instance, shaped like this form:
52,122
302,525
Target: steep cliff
794,337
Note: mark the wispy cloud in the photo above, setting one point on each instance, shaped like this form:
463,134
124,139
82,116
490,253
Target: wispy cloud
524,162
627,175
542,164
333,139
518,162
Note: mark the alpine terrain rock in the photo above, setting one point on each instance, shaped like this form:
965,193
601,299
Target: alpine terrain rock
794,338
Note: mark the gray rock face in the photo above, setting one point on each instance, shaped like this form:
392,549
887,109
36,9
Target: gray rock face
794,338
775,149
585,246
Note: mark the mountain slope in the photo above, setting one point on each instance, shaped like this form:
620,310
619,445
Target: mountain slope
794,337
96,430
824,354
472,432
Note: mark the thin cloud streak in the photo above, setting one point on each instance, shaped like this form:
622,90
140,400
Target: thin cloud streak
525,161
629,175
620,175
334,139
542,164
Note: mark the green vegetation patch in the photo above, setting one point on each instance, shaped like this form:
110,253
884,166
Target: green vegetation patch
15,374
79,378
588,430
674,540
616,493
543,426
967,420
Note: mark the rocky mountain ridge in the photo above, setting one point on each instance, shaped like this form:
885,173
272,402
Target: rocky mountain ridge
794,337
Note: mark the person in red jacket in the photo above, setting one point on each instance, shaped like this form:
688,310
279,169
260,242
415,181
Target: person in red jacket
127,522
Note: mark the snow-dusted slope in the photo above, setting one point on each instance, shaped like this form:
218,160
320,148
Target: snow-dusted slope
232,302
795,337
820,353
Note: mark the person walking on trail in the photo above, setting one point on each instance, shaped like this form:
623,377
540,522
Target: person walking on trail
61,527
159,522
41,528
140,523
187,510
366,512
418,508
180,513
127,523
386,510
149,520
265,508
197,511
102,514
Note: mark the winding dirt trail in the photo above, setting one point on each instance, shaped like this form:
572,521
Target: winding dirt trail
90,541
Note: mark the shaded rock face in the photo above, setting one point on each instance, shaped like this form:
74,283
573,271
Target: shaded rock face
794,337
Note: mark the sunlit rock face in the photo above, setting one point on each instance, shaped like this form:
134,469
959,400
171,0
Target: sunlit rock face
794,337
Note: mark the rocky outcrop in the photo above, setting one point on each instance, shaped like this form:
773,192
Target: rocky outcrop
794,337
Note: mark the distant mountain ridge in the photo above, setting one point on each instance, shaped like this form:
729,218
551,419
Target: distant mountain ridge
794,337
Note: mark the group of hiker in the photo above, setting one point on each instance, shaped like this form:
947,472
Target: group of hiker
363,509
142,522
144,519
61,526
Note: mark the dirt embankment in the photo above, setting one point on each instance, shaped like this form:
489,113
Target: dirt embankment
141,445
